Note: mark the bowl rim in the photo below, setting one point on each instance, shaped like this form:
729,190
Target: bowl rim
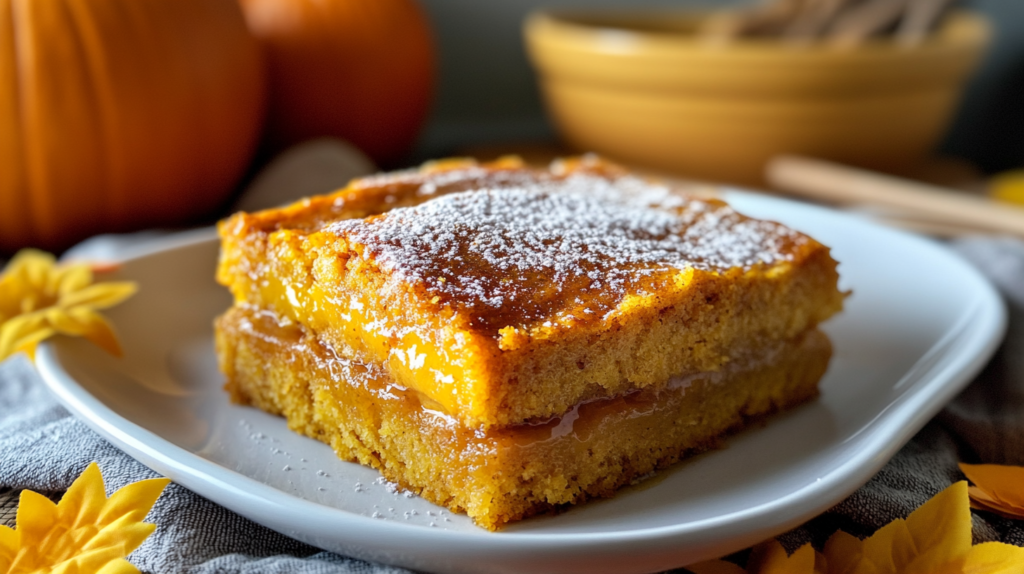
963,30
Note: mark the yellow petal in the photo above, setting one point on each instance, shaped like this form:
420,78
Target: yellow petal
843,553
30,342
933,561
100,295
890,548
92,561
85,498
72,277
134,500
63,568
14,331
715,567
9,544
63,322
31,265
96,329
1008,186
994,558
941,527
121,566
36,517
72,537
35,294
124,534
770,557
37,273
930,564
1002,483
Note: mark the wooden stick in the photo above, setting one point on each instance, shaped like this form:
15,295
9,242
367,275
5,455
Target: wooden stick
920,19
845,185
936,229
813,20
863,20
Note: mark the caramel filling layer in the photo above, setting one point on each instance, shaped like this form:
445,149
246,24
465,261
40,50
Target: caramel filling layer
347,392
501,474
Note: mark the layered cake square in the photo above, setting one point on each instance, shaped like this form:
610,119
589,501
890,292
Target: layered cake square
504,340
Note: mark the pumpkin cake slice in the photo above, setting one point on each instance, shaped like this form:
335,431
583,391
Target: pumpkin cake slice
503,294
504,340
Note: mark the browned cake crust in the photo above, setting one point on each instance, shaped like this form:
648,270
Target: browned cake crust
537,291
502,475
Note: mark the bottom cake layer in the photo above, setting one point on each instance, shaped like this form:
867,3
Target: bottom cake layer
501,475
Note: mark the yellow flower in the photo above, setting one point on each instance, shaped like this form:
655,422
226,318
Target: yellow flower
934,539
768,558
85,533
1008,186
39,299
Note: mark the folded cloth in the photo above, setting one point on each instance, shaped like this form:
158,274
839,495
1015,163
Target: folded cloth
43,448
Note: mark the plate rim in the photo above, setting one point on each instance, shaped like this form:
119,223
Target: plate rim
205,477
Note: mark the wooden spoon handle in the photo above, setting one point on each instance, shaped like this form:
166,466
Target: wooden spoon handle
863,20
846,185
921,17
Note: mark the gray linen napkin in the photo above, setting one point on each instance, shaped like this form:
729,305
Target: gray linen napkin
43,448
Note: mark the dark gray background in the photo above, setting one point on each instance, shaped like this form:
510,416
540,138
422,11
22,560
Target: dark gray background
487,91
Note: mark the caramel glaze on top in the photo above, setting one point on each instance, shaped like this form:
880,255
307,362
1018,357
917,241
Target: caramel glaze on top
520,248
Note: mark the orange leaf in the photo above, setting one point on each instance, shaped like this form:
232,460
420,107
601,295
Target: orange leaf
980,500
998,488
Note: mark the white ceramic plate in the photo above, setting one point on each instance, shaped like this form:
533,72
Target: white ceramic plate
919,325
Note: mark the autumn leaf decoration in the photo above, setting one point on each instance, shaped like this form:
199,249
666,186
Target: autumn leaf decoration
39,299
997,488
85,532
934,539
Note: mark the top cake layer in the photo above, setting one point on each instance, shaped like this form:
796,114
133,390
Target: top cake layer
564,251
504,294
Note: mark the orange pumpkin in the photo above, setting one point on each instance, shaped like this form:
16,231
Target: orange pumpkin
361,70
121,114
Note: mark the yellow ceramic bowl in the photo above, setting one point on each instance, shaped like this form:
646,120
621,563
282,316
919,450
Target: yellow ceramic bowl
644,89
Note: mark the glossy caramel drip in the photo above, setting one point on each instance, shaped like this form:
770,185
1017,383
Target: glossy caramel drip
582,422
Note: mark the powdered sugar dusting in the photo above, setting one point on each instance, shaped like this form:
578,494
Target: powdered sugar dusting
568,246
453,180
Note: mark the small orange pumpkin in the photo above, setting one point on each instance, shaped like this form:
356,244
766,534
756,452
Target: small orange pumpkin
121,114
361,70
